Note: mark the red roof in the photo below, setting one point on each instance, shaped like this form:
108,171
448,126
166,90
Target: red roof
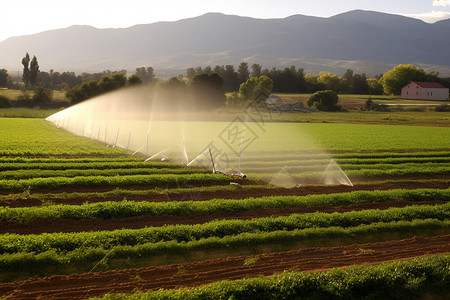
429,85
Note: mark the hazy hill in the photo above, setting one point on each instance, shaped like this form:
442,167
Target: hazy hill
357,39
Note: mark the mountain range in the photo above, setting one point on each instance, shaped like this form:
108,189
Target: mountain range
364,41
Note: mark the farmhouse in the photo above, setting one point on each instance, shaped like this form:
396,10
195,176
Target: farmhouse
424,91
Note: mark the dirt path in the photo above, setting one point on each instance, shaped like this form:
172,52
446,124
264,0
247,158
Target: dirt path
67,225
79,286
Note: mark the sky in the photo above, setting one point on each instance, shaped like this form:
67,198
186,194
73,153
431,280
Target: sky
22,17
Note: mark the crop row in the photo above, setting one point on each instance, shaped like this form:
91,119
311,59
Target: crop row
293,155
130,208
169,180
94,163
249,157
26,174
264,161
347,167
13,181
63,242
315,177
411,279
68,160
90,165
64,252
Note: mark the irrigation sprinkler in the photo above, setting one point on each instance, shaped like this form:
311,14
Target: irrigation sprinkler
106,131
128,144
212,161
184,156
240,152
155,155
333,174
146,150
92,130
117,137
138,150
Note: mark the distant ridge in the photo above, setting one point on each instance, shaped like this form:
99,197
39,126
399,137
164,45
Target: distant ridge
364,41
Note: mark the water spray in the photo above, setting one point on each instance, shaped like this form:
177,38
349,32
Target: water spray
148,111
155,155
137,150
146,150
184,156
128,144
240,153
212,161
117,137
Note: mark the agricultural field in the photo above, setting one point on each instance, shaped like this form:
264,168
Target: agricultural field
82,218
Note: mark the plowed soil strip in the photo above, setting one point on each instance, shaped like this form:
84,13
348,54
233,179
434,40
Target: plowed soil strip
191,195
65,225
78,286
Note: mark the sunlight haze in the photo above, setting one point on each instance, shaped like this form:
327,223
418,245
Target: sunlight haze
22,17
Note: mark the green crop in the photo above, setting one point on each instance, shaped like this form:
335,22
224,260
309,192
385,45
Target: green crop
129,208
412,279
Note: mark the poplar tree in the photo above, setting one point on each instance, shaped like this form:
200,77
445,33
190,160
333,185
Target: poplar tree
26,70
34,71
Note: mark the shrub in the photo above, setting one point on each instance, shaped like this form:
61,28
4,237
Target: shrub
442,108
4,102
42,95
324,101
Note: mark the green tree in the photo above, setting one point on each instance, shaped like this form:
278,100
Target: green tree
243,72
83,92
207,90
331,82
112,82
134,80
4,76
255,88
256,70
312,84
26,70
146,74
399,76
42,95
230,77
34,71
375,86
324,101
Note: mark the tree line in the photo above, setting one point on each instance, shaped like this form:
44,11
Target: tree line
242,83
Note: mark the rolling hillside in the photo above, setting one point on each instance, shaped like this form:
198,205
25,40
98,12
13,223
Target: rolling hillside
365,39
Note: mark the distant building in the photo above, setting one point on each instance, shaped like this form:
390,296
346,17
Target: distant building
273,100
424,91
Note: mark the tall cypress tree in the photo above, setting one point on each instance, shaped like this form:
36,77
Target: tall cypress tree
26,70
34,70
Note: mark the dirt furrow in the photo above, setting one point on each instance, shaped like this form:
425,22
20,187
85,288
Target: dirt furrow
192,195
70,225
78,286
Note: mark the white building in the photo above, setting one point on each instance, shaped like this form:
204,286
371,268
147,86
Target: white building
425,91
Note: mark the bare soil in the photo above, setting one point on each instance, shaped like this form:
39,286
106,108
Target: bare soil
94,224
80,286
191,195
